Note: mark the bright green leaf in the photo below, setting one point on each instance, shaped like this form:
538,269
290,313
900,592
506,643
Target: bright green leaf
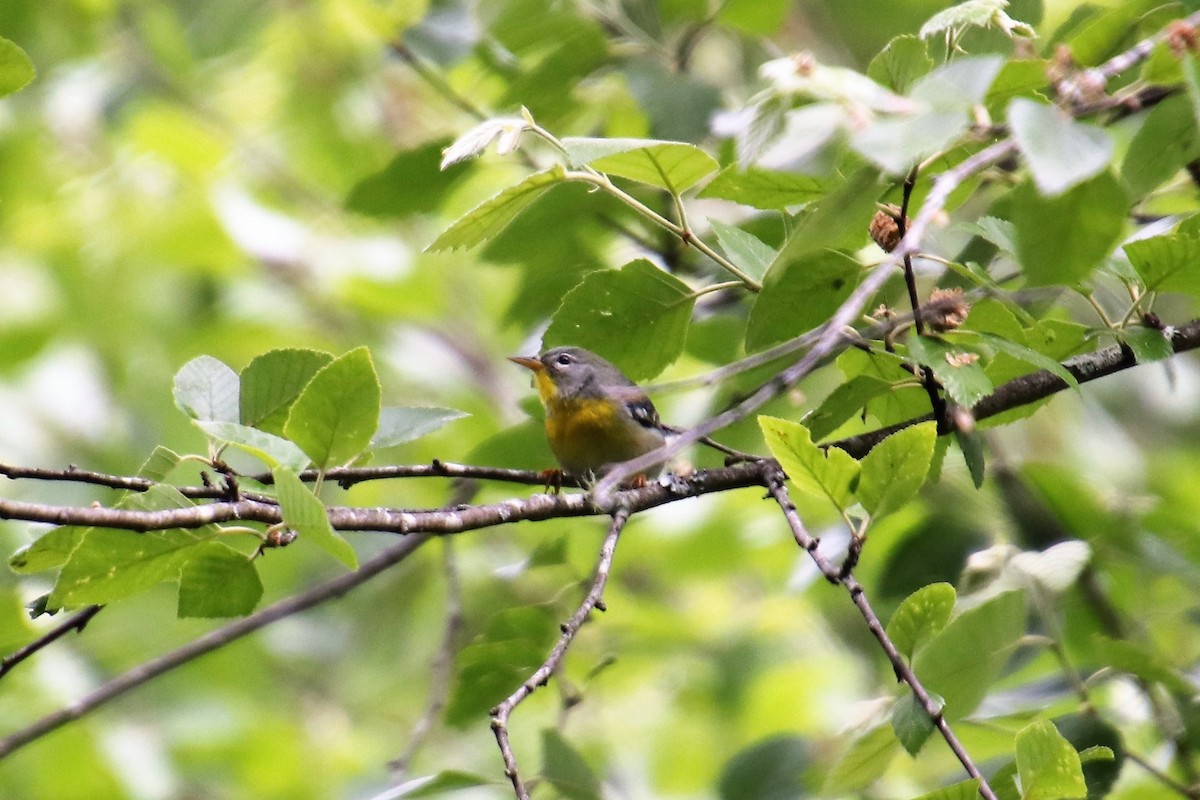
16,70
218,581
1048,765
921,616
770,190
272,382
398,424
1107,32
957,369
336,415
564,768
637,317
674,166
272,450
965,790
1167,263
304,513
50,550
744,249
207,389
1061,240
896,468
492,215
1061,152
831,473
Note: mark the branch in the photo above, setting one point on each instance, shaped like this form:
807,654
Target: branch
211,641
541,676
76,622
858,596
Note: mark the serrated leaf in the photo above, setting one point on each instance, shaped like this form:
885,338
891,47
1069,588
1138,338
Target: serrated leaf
957,369
1147,344
954,21
911,723
900,63
830,473
400,424
674,166
636,317
1047,764
336,415
1061,240
491,216
207,389
564,768
896,468
16,70
799,295
844,402
766,189
744,249
1061,152
272,450
961,663
218,581
304,513
272,382
922,615
1167,263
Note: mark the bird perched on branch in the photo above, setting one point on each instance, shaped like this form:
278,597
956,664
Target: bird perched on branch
595,416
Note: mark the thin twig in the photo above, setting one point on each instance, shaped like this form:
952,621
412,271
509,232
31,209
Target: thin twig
541,676
858,596
76,622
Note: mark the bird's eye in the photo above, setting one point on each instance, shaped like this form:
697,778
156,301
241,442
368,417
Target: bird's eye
563,359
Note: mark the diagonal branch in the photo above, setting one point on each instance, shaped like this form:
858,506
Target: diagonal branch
76,622
541,676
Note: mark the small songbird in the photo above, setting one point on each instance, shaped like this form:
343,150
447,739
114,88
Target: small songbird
595,416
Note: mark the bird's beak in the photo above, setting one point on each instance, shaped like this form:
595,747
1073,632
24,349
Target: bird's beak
528,363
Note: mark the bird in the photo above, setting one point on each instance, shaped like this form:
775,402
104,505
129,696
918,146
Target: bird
595,416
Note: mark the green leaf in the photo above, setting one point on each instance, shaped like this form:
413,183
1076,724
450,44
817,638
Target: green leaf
953,22
1026,354
50,550
1138,660
744,249
16,70
965,790
868,755
900,63
1107,33
304,513
921,616
1147,344
770,190
637,317
1167,263
218,581
896,468
564,768
400,424
1048,765
844,402
799,295
912,723
272,450
336,415
830,473
411,183
772,769
450,780
1061,240
674,166
957,369
971,445
838,221
1165,142
1061,152
272,382
963,661
491,216
207,389
159,464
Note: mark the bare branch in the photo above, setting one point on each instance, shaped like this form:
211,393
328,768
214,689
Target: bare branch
76,622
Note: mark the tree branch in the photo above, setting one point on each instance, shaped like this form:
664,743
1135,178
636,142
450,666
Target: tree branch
76,622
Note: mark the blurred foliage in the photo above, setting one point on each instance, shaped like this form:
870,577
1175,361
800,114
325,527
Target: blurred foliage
242,195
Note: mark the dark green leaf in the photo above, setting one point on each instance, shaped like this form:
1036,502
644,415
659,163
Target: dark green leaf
1026,354
844,402
1061,240
963,661
1147,344
840,220
799,295
565,769
1166,141
206,389
336,415
411,183
895,469
1048,765
1061,152
674,166
637,317
774,769
491,216
16,70
972,450
921,616
767,189
398,425
304,513
911,722
272,382
218,581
